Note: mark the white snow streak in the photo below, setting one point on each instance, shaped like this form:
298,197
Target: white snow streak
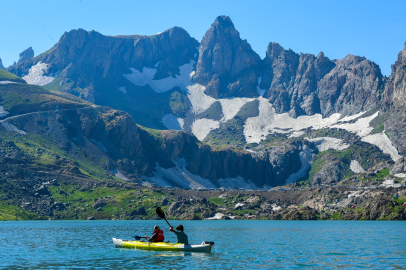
356,167
6,82
260,91
119,175
382,142
122,89
36,75
306,158
12,128
3,112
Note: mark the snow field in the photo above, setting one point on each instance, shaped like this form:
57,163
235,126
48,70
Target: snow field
268,122
36,75
356,167
325,143
202,127
382,142
160,86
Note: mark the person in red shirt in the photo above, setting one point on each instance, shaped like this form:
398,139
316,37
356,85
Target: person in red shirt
158,235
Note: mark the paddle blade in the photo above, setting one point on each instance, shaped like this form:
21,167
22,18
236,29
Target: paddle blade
160,213
137,237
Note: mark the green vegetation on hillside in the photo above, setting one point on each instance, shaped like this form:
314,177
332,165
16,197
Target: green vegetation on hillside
19,98
8,76
10,212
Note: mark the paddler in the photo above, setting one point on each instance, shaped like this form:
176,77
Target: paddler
182,237
157,236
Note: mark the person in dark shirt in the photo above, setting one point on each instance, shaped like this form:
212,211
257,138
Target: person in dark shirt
157,236
182,237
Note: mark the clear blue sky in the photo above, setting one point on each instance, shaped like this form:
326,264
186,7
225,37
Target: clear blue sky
374,29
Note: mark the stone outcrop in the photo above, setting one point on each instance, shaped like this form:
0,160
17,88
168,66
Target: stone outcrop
305,84
1,64
227,65
331,172
26,55
398,167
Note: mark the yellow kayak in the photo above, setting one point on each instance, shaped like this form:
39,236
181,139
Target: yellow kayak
161,246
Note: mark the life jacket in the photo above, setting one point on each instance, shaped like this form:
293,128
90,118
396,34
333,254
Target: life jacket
160,237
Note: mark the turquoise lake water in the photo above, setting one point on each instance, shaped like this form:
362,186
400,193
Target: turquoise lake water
244,244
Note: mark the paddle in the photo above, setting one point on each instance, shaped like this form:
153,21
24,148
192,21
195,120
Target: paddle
161,214
139,237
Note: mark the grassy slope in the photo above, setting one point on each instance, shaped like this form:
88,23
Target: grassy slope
8,76
10,212
25,98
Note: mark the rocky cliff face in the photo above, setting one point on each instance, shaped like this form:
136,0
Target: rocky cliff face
1,64
394,103
26,55
110,140
305,84
227,65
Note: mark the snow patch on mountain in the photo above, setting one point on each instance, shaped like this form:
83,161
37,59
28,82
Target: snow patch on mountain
10,127
119,175
325,143
232,106
202,127
356,167
361,127
172,122
199,100
351,117
268,122
36,75
6,82
160,86
383,143
260,91
237,182
179,176
122,89
3,112
306,158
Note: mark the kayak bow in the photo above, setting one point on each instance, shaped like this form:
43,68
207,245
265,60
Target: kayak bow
162,246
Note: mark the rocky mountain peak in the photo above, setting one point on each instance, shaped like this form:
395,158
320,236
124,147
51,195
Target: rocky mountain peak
227,65
26,55
1,64
223,21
